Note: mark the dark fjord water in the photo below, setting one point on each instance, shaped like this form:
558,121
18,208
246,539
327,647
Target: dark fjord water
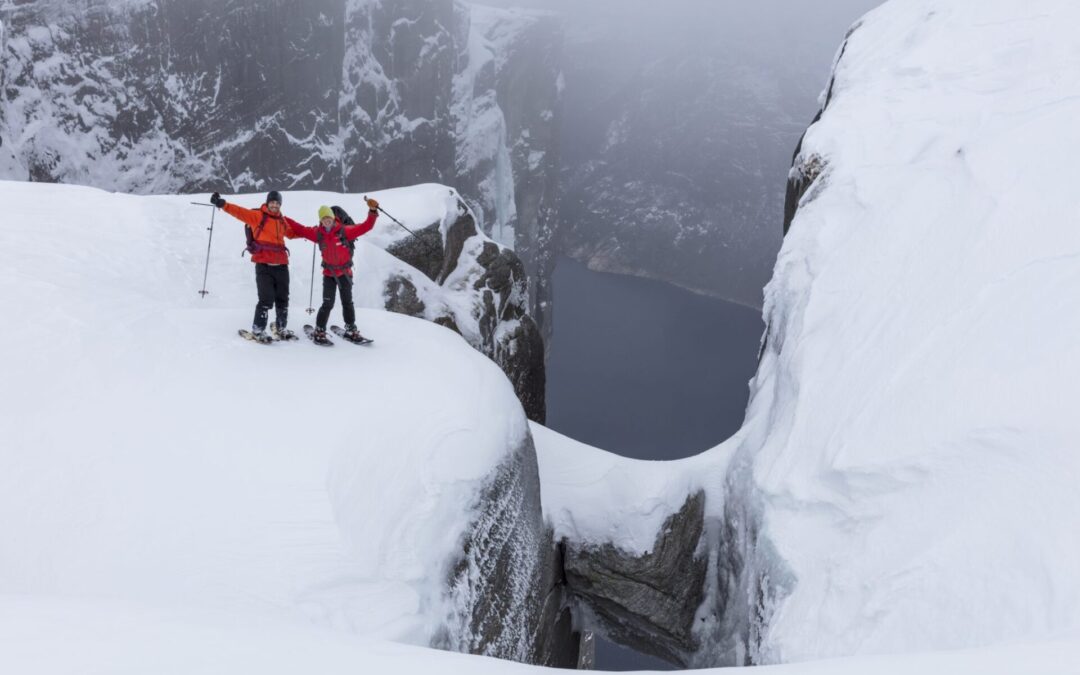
646,370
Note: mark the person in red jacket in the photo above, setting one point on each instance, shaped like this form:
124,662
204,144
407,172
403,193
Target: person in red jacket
336,241
267,229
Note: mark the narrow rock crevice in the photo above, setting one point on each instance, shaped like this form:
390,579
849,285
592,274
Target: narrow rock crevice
647,602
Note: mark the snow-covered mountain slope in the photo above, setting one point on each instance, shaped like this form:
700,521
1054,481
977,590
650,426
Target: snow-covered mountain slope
154,462
919,457
906,477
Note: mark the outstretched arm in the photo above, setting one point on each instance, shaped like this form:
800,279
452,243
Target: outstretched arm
249,217
294,230
352,232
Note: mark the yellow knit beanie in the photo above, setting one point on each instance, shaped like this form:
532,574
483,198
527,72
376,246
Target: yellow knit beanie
325,212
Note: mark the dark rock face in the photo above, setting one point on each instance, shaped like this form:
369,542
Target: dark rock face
805,171
396,93
647,602
520,351
511,90
400,296
505,594
208,96
155,96
424,251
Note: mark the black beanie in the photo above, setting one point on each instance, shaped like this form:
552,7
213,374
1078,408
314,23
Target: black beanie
273,196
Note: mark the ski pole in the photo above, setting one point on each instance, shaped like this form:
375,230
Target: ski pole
210,241
311,296
427,245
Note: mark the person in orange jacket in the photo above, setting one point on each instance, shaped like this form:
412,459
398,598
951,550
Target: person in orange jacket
336,240
266,230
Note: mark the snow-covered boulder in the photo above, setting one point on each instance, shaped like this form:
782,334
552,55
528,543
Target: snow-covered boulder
153,461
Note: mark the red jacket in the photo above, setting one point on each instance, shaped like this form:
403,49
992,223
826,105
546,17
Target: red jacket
336,255
270,231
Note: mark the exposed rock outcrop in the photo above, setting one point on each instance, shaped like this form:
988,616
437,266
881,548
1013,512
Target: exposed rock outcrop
648,602
463,261
805,171
423,251
401,296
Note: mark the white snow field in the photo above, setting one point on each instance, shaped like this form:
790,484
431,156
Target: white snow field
159,473
174,499
914,434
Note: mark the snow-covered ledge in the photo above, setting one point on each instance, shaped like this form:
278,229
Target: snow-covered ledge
156,462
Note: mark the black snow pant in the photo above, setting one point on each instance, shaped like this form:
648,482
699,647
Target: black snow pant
273,284
330,286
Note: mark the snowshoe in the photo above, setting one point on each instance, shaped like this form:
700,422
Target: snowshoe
318,336
261,337
283,334
351,335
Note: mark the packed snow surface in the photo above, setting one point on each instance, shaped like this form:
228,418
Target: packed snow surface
913,431
590,495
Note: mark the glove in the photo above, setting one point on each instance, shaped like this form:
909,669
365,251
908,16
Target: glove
216,200
372,204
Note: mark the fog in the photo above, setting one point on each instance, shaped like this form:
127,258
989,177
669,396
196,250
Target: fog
679,122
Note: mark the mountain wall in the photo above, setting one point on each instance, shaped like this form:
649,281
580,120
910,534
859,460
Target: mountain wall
161,96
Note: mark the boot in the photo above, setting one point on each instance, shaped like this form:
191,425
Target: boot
282,333
260,335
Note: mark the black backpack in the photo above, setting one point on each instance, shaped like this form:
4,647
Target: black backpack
340,214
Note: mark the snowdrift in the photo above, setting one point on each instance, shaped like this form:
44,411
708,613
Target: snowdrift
156,467
919,457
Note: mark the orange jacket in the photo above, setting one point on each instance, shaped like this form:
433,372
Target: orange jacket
269,231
